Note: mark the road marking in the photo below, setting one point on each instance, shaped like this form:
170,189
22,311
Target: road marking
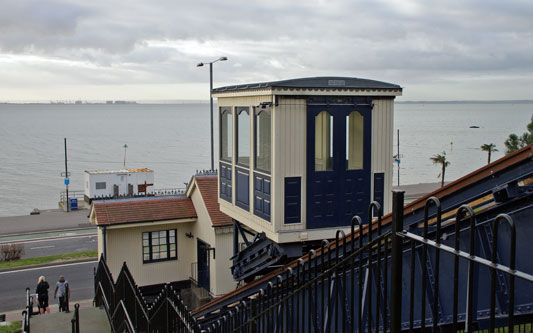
41,247
46,267
46,239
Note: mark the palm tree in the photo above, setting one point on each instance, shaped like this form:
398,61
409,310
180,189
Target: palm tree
515,142
489,148
441,159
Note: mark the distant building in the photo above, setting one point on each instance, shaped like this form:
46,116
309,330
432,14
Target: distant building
117,183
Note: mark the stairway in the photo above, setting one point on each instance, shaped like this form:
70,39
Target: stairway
92,320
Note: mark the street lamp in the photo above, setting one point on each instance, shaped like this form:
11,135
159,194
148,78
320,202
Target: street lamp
211,99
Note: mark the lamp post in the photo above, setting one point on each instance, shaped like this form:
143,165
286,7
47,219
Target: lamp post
211,100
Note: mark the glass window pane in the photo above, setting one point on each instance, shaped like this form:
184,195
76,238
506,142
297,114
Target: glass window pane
155,248
243,135
172,240
156,256
146,235
263,134
172,246
146,242
146,250
162,234
163,255
226,134
146,257
155,241
173,254
163,248
172,232
324,141
354,140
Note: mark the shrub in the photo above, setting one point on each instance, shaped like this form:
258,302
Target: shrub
11,252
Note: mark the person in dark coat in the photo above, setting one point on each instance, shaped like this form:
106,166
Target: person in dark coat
42,295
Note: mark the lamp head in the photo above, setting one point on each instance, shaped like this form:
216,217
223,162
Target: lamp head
200,64
223,58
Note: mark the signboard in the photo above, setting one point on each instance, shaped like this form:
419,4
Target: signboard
67,181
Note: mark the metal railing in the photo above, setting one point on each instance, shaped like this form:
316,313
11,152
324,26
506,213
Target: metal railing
27,312
128,311
397,280
75,321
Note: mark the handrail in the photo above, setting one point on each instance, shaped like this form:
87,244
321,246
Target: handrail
25,322
126,315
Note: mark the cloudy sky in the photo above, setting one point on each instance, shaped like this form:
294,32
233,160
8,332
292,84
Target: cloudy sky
144,50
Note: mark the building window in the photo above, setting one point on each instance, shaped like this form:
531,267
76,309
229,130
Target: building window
226,134
324,141
263,134
354,140
100,185
243,135
159,246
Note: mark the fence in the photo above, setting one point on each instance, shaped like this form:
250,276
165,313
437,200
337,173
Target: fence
439,277
127,310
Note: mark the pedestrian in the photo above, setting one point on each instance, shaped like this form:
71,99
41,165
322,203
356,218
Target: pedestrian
63,292
42,295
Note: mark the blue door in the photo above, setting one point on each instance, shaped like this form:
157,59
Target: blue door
203,264
338,161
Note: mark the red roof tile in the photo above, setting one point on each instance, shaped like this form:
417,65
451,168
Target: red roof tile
208,187
128,211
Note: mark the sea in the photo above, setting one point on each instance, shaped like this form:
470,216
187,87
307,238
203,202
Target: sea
174,141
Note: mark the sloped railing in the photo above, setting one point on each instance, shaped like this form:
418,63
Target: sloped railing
127,310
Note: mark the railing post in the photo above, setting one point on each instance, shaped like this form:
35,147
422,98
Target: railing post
396,262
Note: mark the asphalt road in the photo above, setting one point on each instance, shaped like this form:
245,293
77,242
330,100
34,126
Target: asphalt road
47,247
13,284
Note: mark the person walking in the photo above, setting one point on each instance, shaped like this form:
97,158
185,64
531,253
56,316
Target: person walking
63,292
42,295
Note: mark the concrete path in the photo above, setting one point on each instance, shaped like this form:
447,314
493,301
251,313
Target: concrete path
48,220
91,320
415,191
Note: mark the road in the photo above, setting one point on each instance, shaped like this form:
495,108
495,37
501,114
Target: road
13,284
48,247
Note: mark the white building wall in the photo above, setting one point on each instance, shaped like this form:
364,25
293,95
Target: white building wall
122,179
224,251
125,244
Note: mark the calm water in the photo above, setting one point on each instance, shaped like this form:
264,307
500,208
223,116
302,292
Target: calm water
174,141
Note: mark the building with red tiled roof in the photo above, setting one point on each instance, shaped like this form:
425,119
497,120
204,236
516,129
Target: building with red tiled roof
169,239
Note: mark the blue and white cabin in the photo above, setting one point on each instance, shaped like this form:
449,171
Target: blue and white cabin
299,158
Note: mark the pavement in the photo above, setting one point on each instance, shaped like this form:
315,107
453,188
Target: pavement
46,221
415,191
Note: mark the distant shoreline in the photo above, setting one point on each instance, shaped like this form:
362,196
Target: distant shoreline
145,102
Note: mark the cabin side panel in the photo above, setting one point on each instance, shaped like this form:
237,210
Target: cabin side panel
382,137
246,216
289,156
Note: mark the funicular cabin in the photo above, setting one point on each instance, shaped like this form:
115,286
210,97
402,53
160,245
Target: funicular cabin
298,159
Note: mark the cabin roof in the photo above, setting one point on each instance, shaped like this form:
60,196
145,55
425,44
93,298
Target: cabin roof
326,82
98,172
112,212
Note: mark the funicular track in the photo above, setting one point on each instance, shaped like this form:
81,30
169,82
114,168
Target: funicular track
348,284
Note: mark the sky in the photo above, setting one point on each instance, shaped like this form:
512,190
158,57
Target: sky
148,50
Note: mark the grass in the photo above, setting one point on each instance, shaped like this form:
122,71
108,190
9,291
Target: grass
12,327
48,259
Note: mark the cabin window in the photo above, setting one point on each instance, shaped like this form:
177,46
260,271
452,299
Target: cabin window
263,134
159,246
354,140
324,141
243,135
226,134
100,185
